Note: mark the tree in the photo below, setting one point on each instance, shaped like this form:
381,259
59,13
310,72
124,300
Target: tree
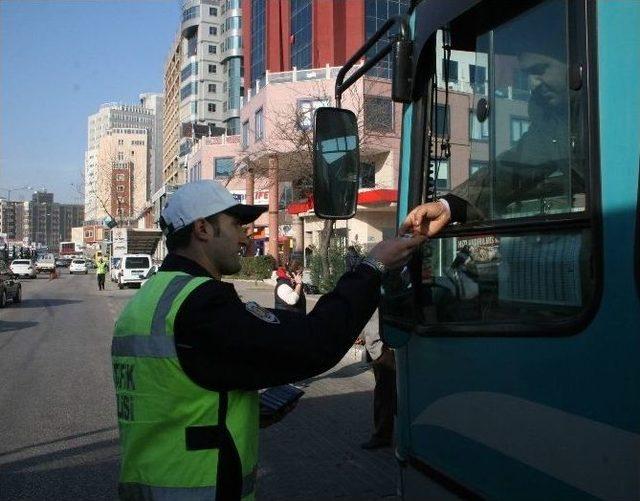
291,137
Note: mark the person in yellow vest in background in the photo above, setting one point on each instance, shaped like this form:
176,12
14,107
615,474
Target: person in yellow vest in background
189,356
101,271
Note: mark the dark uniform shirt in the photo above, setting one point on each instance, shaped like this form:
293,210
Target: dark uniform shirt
224,344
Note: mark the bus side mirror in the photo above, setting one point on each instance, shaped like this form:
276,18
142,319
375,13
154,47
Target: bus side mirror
336,163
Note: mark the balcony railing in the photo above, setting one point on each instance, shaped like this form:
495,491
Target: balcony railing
295,75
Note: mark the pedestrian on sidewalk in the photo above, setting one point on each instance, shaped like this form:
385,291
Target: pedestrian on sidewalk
289,291
383,364
352,258
101,271
189,355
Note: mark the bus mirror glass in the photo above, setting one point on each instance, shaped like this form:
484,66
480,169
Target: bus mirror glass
336,163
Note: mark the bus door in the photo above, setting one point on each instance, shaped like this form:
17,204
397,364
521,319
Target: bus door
512,384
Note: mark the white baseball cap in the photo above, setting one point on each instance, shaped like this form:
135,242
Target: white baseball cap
202,199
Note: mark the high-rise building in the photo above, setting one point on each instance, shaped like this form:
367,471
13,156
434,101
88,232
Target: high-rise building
118,116
154,102
71,215
44,220
282,34
211,63
121,174
11,219
171,173
203,80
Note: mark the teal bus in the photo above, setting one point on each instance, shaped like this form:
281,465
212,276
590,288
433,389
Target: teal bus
517,328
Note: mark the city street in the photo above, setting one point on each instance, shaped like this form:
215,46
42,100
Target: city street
58,425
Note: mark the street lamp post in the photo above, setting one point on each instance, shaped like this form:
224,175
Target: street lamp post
9,190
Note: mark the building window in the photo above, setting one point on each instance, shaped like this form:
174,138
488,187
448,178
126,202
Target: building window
259,124
478,78
453,70
120,187
378,113
245,134
443,120
211,107
223,167
301,33
190,13
233,23
120,156
306,107
233,126
478,131
213,11
212,88
213,68
119,177
120,142
476,166
367,175
441,173
258,19
376,14
187,90
519,126
213,30
192,45
213,49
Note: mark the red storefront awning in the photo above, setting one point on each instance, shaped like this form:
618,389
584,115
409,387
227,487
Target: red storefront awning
370,197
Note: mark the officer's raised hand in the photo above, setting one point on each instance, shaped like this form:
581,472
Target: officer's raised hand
395,252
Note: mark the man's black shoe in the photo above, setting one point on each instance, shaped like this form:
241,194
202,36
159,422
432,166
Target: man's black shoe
375,443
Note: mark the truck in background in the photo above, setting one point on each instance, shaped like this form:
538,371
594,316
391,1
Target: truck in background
69,249
46,263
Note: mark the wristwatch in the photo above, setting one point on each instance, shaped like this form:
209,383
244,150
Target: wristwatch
379,266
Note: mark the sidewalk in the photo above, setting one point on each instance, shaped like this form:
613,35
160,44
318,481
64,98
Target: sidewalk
314,453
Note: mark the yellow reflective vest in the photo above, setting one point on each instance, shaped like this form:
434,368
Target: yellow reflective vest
178,440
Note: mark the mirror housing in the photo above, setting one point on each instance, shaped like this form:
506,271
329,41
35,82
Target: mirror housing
336,163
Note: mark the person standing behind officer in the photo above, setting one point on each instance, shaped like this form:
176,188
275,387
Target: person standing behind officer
189,356
289,292
101,271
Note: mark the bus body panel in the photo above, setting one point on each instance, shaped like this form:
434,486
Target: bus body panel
544,417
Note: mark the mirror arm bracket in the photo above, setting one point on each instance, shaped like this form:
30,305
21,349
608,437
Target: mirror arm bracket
403,35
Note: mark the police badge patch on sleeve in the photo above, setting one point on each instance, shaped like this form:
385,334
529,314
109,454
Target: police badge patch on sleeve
263,314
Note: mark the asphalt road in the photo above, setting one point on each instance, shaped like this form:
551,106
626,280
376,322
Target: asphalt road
58,432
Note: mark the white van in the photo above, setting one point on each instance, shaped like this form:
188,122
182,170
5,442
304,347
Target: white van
133,269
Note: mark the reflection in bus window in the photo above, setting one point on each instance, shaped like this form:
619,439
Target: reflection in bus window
534,278
531,140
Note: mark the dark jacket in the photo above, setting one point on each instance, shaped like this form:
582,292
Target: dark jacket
225,344
300,306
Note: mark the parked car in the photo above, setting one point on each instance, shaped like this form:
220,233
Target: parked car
10,287
78,266
114,268
134,269
23,268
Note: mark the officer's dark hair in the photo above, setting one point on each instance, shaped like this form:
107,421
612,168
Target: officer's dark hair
181,238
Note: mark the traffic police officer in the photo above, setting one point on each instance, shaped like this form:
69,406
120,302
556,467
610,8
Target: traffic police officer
189,355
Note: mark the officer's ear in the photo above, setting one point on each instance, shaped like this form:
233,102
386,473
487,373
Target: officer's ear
201,230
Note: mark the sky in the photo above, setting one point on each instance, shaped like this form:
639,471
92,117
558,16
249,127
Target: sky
59,61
